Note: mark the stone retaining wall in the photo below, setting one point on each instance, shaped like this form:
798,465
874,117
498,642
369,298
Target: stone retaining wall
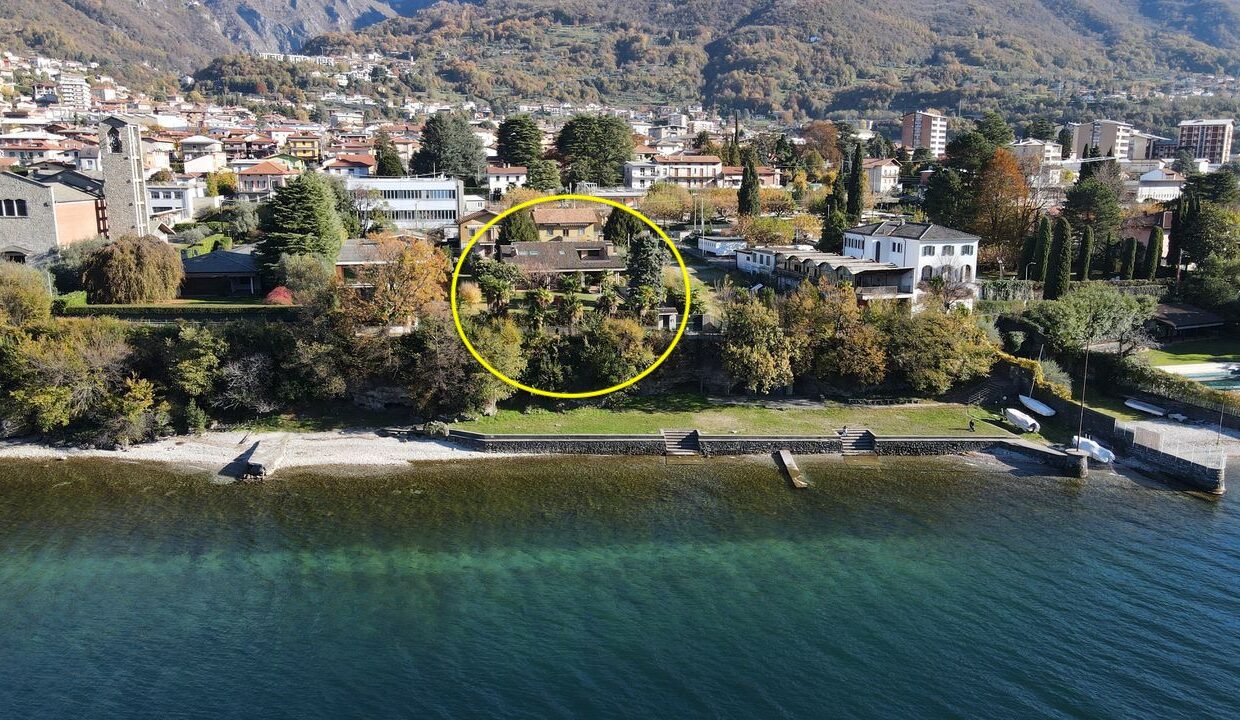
1197,476
561,444
760,444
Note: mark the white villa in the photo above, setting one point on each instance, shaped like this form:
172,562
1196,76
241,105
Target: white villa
928,250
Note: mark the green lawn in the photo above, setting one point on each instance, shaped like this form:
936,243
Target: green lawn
197,303
649,415
1196,351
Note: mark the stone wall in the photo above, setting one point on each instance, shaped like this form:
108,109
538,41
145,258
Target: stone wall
763,444
34,234
928,446
561,444
1197,476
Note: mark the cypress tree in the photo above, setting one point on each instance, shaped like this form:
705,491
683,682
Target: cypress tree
748,198
1028,251
833,226
1130,258
856,190
1060,271
1153,254
839,192
1042,253
1087,251
518,227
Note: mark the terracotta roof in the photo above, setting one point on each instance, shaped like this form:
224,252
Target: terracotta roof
350,159
564,216
267,167
507,170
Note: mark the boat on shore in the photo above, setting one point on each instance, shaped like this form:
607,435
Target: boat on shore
1145,407
1093,449
1037,406
1021,420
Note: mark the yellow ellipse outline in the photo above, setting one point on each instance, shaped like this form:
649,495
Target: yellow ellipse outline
460,263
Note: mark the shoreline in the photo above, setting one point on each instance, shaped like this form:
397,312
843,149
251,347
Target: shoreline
224,452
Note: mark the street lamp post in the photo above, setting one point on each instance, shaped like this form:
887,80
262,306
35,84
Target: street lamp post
1028,265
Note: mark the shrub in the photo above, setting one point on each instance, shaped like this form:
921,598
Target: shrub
132,270
196,418
468,293
24,297
279,296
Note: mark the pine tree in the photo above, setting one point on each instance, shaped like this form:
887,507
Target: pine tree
518,227
1087,252
519,141
1153,254
1060,271
1042,253
449,146
387,159
301,219
856,187
749,199
621,227
644,262
1130,258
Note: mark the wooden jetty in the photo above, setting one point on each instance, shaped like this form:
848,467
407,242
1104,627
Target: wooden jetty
789,464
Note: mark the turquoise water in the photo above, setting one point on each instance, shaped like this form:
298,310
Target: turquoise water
614,589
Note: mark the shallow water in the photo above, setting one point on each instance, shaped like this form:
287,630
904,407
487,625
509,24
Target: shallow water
614,588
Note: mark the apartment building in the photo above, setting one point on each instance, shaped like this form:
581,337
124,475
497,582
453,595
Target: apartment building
1042,151
1208,140
925,129
1111,137
73,92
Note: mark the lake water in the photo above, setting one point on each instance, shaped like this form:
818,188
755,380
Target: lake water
614,588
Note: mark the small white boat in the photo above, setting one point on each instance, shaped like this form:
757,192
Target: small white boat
1145,407
1093,449
1037,406
1021,420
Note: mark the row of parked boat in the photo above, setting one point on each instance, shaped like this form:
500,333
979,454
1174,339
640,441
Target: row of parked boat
1027,423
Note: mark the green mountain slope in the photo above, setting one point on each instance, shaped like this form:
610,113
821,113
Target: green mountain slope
809,56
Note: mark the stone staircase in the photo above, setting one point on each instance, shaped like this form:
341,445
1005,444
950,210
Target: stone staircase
680,443
857,442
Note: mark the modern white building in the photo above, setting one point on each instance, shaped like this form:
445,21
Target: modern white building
418,203
721,245
1208,139
927,249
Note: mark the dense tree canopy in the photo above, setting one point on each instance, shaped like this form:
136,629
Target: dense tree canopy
450,147
132,270
594,149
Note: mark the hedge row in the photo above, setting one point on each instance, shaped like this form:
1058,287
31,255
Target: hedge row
1136,375
187,312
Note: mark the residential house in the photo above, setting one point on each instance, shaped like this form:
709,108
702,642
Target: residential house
179,200
260,181
305,146
501,179
592,258
928,250
1040,151
730,176
1158,186
566,223
883,175
351,165
787,267
222,273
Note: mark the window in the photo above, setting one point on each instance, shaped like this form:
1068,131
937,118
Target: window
927,273
966,249
13,208
927,251
949,249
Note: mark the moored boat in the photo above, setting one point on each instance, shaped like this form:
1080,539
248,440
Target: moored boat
1093,449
